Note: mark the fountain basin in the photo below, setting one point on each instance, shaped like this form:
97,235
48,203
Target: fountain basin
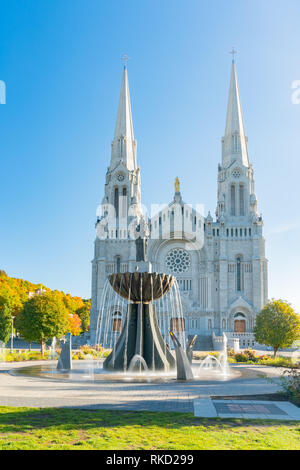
141,287
92,371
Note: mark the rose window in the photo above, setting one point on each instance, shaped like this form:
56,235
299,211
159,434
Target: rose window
236,173
178,260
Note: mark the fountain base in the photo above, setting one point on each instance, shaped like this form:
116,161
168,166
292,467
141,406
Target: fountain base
140,336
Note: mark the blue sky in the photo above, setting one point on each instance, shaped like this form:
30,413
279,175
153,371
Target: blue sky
60,60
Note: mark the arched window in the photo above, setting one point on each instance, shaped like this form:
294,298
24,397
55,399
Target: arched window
223,324
235,142
116,201
238,274
239,315
232,191
242,199
123,203
118,264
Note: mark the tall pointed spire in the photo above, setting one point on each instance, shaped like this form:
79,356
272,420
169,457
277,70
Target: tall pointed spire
123,144
235,144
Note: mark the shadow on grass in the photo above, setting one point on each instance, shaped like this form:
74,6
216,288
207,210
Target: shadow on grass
64,419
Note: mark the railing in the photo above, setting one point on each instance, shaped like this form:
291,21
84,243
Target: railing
232,342
247,339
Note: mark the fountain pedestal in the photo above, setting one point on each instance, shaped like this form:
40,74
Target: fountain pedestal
141,334
189,349
184,370
65,358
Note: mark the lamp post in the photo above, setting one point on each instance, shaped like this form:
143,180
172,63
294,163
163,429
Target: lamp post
12,335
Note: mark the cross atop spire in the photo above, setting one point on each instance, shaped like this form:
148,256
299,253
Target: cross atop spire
233,52
125,59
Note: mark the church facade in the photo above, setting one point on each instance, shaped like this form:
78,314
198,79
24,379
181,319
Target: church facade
219,263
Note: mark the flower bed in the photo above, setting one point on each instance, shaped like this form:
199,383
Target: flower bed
85,352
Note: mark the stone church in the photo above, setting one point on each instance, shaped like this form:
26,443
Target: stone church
219,262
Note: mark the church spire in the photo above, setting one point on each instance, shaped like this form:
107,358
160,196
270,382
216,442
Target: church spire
235,142
123,144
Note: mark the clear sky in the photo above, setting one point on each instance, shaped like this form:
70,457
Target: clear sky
60,61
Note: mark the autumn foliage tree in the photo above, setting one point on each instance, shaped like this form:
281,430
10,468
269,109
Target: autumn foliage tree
74,324
277,325
42,318
5,322
84,315
14,293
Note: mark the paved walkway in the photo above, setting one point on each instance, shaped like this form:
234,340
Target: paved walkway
170,396
279,410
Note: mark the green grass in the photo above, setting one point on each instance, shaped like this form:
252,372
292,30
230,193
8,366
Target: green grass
61,428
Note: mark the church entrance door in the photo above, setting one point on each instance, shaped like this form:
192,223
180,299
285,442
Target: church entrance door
239,326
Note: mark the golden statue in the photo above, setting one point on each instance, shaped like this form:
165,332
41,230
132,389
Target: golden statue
177,185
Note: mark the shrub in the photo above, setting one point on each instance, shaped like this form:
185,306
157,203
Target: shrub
290,382
106,353
78,356
91,351
199,356
276,362
252,356
22,355
241,357
231,353
14,357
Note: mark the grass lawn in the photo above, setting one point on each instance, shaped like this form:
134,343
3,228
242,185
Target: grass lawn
54,428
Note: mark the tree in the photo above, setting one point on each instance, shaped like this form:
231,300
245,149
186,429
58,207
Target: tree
84,315
10,297
74,324
42,318
5,322
277,325
72,303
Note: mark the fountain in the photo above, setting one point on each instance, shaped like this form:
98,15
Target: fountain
212,364
156,364
224,355
141,345
141,334
184,369
53,353
137,359
65,358
136,313
190,347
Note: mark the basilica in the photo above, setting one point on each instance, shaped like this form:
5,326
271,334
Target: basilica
219,262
